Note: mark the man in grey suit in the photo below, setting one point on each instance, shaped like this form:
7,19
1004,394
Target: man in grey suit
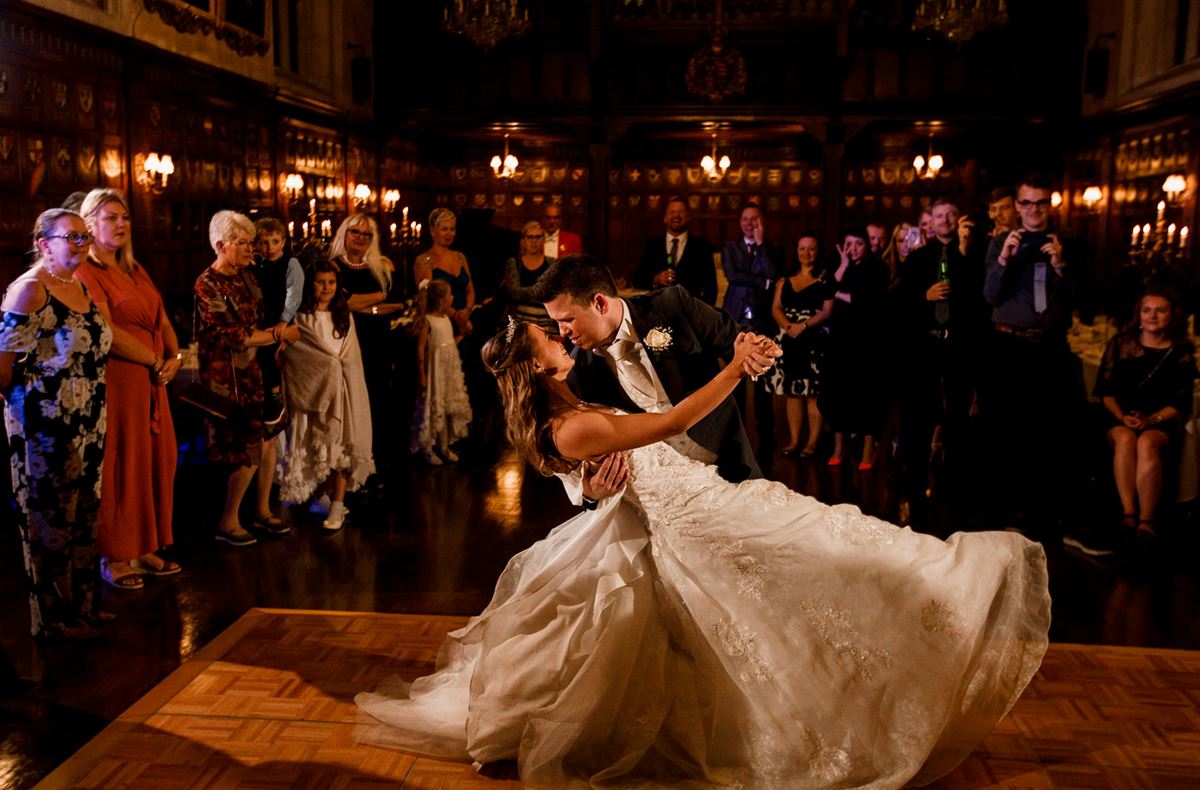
646,353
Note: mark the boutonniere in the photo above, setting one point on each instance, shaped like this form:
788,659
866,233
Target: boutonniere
658,339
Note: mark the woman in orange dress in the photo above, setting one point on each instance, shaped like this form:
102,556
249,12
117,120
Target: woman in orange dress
139,457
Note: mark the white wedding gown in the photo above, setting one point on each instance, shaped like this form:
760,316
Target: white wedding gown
698,633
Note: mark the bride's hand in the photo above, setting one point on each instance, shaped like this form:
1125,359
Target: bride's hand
605,478
754,354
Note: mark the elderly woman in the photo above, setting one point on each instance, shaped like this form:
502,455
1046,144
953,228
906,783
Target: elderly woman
228,306
1145,382
53,347
521,272
139,454
441,262
803,302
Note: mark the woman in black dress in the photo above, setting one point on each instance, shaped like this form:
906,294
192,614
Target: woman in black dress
803,302
1145,382
852,384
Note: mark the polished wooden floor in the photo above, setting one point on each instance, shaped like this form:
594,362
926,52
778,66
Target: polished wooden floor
270,702
433,541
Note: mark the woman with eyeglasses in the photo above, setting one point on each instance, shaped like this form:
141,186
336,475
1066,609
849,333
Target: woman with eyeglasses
54,346
140,449
366,275
521,272
228,312
441,262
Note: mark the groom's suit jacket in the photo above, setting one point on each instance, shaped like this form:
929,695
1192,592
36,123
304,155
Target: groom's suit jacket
701,340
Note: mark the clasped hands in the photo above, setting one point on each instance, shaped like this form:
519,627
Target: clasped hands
755,354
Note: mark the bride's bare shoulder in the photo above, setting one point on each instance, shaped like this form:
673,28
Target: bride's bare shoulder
573,430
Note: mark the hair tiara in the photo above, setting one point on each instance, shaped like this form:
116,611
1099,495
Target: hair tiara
511,330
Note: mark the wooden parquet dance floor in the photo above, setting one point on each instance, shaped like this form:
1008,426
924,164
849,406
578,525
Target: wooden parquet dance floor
270,704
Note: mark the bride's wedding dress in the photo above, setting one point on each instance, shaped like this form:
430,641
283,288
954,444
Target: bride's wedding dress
693,632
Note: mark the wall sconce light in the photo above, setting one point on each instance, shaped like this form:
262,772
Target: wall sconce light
507,167
390,198
335,191
154,168
294,184
1056,199
714,169
362,193
1175,186
1092,196
928,168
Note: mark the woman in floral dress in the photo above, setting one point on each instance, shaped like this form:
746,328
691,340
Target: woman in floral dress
228,302
53,349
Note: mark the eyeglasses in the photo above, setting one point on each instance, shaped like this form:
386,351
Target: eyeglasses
78,239
1043,203
361,234
538,236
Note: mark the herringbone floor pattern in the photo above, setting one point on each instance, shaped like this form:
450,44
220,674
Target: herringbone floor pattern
270,704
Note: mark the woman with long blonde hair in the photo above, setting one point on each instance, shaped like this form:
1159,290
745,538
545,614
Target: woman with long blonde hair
692,631
140,451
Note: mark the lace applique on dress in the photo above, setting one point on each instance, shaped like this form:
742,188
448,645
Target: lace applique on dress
826,764
938,618
767,494
740,644
848,524
748,571
836,630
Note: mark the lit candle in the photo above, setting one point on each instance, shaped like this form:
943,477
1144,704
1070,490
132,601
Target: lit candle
418,230
1133,239
1146,233
291,230
304,229
1171,233
1162,209
312,205
404,217
1183,234
326,227
392,232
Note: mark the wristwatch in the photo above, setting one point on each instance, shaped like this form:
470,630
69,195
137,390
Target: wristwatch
590,504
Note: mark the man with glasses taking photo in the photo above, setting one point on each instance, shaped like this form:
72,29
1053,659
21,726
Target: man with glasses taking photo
1035,394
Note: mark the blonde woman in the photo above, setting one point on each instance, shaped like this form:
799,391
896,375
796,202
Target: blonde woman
140,449
440,262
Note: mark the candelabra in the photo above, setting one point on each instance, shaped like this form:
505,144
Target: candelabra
1158,244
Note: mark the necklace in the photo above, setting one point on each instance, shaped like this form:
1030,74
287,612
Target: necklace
57,277
353,265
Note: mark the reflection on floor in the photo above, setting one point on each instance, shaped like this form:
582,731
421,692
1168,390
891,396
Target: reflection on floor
432,542
271,701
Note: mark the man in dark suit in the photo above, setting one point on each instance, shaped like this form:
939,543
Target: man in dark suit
681,258
752,266
647,353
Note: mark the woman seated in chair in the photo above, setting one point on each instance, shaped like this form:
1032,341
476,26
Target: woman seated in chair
1145,382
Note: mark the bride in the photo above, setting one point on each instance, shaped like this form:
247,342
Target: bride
692,632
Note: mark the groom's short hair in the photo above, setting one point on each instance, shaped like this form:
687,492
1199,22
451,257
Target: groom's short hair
578,276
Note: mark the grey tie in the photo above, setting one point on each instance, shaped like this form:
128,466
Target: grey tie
1039,288
630,368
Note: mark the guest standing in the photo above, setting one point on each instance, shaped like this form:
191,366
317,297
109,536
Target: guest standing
140,450
803,303
853,396
678,257
328,406
520,274
366,274
228,309
53,348
1145,382
443,412
440,262
559,243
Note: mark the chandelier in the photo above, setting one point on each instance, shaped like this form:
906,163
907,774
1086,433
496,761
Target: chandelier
713,168
504,168
716,72
928,168
959,20
485,22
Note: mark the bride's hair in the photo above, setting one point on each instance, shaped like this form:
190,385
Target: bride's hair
509,357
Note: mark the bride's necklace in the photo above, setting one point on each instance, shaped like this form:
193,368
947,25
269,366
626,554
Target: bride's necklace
57,277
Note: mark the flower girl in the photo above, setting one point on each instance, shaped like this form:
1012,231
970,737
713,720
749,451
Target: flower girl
329,442
443,412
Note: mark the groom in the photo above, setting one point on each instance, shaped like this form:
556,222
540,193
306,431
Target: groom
646,353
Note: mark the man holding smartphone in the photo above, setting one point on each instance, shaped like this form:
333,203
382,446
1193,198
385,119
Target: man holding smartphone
1034,395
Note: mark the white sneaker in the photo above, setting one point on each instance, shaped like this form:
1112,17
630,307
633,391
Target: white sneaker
337,515
320,507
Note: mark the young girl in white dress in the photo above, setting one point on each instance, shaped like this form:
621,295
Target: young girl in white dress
690,632
443,412
329,436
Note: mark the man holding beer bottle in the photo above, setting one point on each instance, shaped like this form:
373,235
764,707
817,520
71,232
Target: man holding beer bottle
940,295
679,258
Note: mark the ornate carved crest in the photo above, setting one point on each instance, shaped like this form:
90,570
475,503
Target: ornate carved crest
716,72
86,159
62,156
111,164
264,181
108,106
33,90
3,83
86,97
154,116
35,150
6,146
59,94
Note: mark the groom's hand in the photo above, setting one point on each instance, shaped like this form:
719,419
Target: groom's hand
762,355
606,477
